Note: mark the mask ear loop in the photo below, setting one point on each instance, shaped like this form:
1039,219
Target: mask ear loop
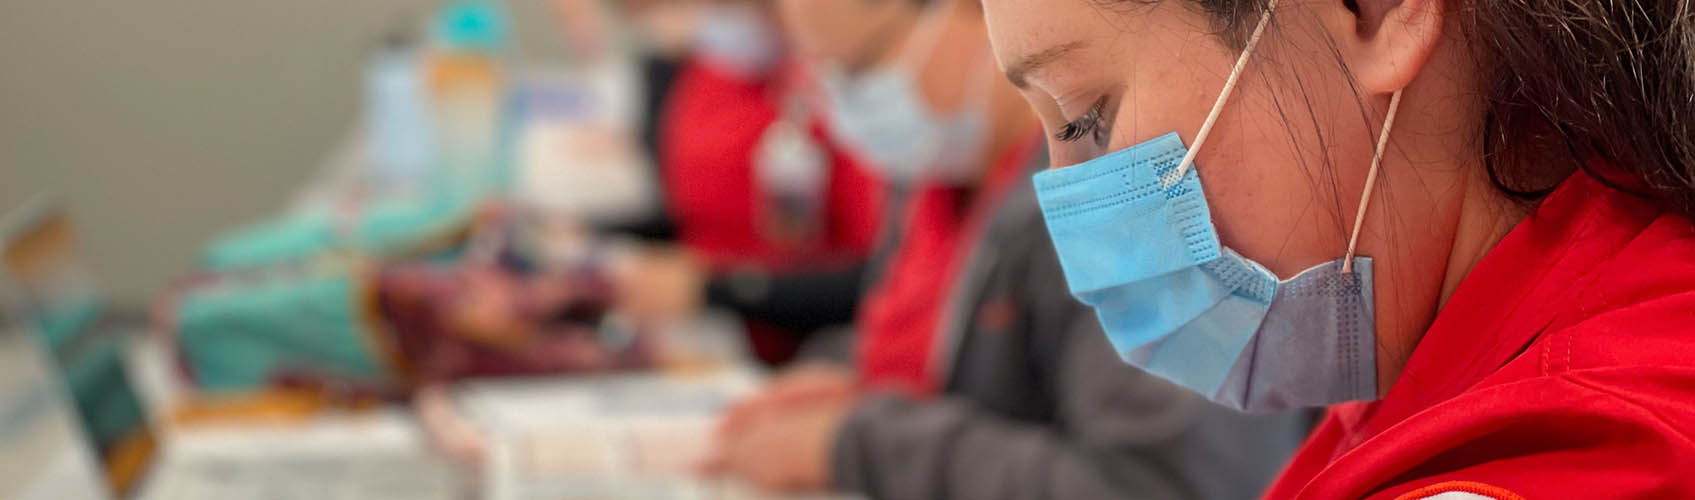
1371,182
1176,174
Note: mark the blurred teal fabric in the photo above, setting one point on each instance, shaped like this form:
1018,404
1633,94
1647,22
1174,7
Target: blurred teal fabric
275,240
242,334
382,228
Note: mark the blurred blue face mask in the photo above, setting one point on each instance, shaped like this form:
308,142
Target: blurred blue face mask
1137,243
883,117
738,40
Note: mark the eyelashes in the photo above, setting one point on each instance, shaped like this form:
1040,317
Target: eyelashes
1089,125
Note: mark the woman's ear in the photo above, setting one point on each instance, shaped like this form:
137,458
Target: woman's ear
1386,43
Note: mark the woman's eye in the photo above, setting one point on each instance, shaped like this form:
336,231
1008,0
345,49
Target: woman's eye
1088,125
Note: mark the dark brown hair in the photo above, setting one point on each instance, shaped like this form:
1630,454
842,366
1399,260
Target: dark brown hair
1567,81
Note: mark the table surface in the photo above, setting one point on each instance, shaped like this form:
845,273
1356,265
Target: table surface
555,436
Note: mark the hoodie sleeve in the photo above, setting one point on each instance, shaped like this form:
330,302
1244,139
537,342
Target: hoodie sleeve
1113,431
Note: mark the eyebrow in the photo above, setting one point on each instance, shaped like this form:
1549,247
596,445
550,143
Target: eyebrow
1018,71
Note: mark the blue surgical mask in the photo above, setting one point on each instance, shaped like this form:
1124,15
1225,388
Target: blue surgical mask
883,117
737,39
1137,243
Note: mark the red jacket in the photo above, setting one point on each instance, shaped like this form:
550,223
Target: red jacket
900,314
713,123
1562,367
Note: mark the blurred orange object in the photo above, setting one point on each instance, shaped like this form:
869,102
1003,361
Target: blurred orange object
270,405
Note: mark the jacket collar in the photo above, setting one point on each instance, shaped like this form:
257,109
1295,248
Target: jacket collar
1519,288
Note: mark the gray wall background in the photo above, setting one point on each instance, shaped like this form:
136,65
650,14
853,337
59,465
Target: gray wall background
162,122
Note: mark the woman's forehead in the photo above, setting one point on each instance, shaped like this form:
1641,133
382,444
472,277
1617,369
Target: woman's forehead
1031,36
1033,30
1017,28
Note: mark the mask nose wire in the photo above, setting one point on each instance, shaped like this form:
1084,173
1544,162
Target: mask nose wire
1171,177
1371,182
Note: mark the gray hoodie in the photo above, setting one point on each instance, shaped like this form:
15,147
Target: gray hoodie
1037,405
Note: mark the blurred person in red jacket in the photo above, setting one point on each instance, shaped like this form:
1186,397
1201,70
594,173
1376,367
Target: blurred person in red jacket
976,376
776,223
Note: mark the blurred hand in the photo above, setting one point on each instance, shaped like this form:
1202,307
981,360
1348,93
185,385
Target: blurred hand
781,437
804,384
486,310
448,430
658,286
785,449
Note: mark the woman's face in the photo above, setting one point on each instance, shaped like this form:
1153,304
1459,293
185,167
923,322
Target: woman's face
1284,168
1280,193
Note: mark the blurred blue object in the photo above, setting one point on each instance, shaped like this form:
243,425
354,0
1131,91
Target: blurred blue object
473,25
243,335
279,239
397,107
466,75
379,228
440,142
